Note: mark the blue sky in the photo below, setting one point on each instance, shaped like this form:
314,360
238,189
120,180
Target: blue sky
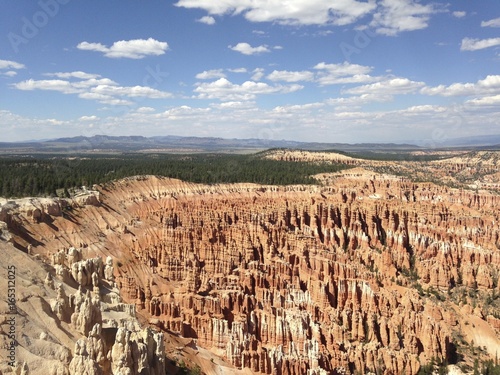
328,71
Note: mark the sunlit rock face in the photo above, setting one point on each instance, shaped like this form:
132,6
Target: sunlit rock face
280,280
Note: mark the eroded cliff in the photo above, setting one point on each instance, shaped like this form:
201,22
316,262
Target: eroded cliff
365,274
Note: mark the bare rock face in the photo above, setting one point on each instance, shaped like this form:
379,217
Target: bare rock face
4,232
362,275
82,363
138,352
69,331
121,353
90,198
83,270
87,312
109,269
61,306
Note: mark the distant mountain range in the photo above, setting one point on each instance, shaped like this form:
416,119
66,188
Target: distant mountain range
106,143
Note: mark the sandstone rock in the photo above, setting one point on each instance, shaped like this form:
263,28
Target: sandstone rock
289,280
4,231
87,311
109,269
82,363
61,306
121,354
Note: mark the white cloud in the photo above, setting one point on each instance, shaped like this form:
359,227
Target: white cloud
238,70
183,111
330,74
258,73
145,110
131,92
495,22
395,16
211,74
51,84
225,90
234,105
485,101
470,44
487,86
7,64
84,84
132,49
290,12
351,101
207,20
391,86
9,73
78,74
288,76
293,109
105,99
89,118
303,122
426,108
459,14
103,90
247,49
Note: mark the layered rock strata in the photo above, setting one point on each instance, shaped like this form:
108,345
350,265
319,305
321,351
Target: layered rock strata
66,326
286,280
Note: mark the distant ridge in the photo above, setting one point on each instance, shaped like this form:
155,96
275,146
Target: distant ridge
476,141
172,143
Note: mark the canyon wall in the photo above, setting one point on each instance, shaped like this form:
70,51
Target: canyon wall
354,276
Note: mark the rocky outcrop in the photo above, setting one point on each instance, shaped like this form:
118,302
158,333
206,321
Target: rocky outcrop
357,275
82,362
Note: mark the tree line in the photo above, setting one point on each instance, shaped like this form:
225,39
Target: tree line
45,175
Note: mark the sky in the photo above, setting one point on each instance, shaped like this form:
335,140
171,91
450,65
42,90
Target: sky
350,71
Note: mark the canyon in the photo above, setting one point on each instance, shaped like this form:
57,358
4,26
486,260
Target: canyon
366,273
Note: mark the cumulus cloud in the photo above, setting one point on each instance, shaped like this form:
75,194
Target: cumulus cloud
298,107
349,102
9,73
211,74
391,86
91,87
470,44
7,64
131,91
247,49
495,22
89,118
183,112
459,14
207,20
426,108
238,70
258,73
395,16
225,90
145,110
290,76
47,84
290,12
234,105
485,101
487,86
131,49
330,74
77,74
